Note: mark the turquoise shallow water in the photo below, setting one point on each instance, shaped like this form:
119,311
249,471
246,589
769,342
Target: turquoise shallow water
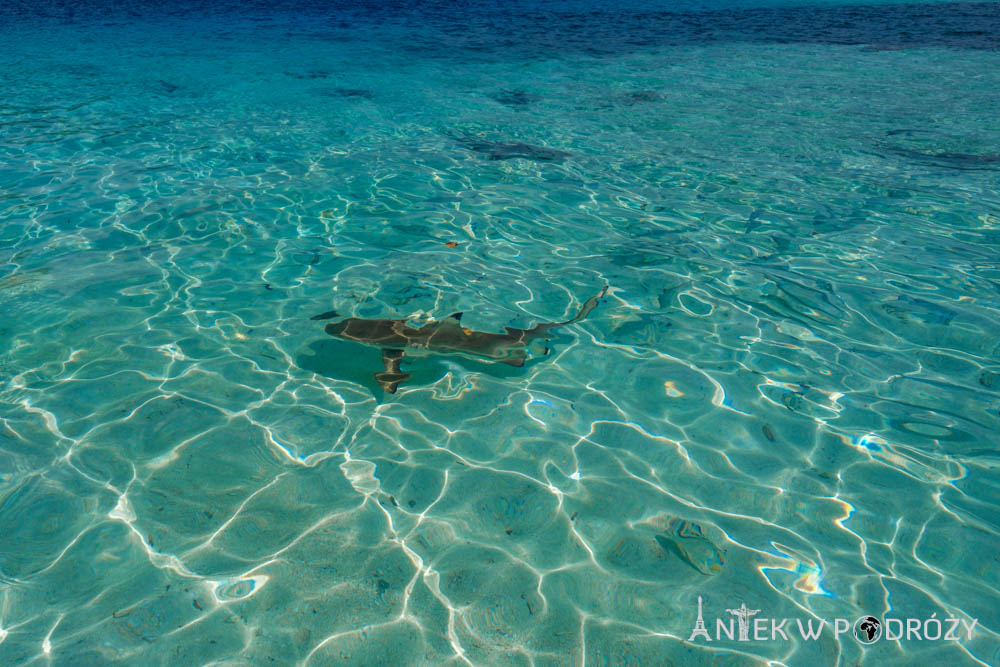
789,397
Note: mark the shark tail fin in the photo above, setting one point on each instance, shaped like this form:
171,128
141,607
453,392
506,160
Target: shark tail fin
545,327
588,306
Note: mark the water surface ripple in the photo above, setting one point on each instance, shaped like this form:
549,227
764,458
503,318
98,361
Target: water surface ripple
789,397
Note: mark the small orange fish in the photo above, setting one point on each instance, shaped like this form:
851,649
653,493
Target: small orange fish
451,244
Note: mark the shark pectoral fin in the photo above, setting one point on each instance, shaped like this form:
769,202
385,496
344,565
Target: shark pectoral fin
517,359
391,377
391,381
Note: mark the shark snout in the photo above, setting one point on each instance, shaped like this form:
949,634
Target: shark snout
335,328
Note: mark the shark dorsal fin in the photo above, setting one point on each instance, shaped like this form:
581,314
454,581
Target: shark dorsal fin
449,323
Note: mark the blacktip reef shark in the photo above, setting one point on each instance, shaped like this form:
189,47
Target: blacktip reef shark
447,336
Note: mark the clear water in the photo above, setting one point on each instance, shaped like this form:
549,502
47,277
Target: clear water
789,397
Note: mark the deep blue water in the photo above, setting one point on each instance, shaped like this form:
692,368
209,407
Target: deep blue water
788,397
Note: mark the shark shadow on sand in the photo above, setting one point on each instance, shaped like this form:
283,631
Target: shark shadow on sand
499,150
949,159
515,97
928,155
348,93
395,338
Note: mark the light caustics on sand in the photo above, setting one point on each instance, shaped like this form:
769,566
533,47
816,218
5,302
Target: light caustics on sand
786,400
